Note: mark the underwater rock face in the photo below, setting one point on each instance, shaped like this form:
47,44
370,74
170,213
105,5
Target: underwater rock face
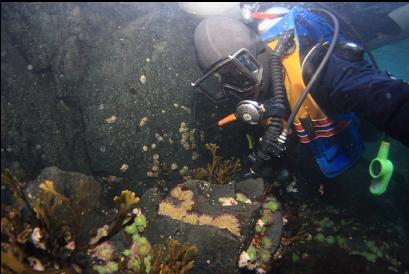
84,192
68,67
219,249
69,183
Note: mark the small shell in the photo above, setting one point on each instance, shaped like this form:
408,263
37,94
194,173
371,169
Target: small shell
143,121
188,110
184,170
260,222
145,148
111,119
192,137
228,201
149,174
174,166
195,155
136,211
124,168
142,79
155,168
155,157
36,236
153,146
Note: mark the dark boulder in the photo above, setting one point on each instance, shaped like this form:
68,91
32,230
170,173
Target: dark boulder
219,249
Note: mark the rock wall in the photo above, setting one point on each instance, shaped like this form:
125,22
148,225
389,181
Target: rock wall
77,78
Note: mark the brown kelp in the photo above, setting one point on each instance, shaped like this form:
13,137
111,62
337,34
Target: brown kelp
176,258
218,171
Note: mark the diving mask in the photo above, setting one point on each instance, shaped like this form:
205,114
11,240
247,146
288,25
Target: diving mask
238,75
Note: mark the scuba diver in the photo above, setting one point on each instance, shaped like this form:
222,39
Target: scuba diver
301,77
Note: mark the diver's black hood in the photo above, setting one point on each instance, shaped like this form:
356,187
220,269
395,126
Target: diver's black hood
217,37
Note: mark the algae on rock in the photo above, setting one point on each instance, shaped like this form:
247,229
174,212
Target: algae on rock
219,171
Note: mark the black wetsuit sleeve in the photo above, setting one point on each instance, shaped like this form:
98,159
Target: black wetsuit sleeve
374,95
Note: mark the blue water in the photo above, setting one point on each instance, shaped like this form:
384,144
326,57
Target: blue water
394,58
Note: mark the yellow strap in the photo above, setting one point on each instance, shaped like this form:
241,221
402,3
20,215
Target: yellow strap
295,86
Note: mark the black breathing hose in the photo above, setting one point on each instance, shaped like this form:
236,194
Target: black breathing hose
272,131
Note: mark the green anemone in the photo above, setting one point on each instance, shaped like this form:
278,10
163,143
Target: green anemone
267,242
259,229
330,240
140,220
131,229
100,269
272,206
264,255
136,237
147,262
136,264
251,251
112,267
320,237
241,197
127,252
142,240
144,249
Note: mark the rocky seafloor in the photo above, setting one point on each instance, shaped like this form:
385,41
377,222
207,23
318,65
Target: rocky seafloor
104,90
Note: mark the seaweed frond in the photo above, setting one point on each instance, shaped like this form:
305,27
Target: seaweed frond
219,171
126,200
11,262
176,258
47,204
53,234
